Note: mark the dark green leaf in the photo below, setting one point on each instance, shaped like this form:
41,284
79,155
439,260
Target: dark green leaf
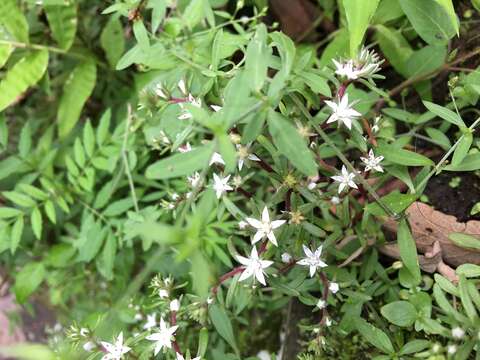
400,313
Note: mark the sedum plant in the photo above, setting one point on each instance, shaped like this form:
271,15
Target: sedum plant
176,175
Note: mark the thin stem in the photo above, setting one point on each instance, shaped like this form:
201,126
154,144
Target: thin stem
344,160
225,277
125,158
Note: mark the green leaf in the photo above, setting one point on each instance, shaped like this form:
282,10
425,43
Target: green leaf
426,60
5,52
400,313
19,199
227,150
202,342
194,13
28,280
25,141
448,6
16,234
50,211
25,73
106,262
118,207
88,139
430,20
12,18
408,250
444,113
317,83
465,299
112,41
359,13
141,34
462,148
9,212
78,153
468,270
36,221
395,201
200,273
470,163
180,164
400,156
76,91
374,336
222,324
465,240
414,346
104,127
291,144
159,8
28,351
286,48
257,59
395,47
62,20
439,137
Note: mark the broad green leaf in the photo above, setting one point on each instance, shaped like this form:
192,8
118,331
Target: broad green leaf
395,201
430,20
222,324
200,273
400,313
141,34
28,279
76,91
465,240
374,336
291,144
414,346
395,47
5,52
316,83
387,10
180,164
359,13
25,73
194,13
112,41
36,222
400,156
33,191
448,6
19,199
9,212
16,234
13,19
227,150
444,113
94,241
470,163
62,20
426,60
118,207
462,148
257,59
408,250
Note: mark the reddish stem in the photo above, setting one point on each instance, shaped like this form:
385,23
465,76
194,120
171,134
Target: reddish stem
174,100
227,276
264,165
324,297
368,128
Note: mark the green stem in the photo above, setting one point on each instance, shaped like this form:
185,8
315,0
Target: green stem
125,158
344,160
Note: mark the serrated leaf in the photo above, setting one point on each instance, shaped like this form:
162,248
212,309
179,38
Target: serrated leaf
25,73
359,13
112,41
36,222
62,20
28,279
16,234
408,250
12,18
76,91
180,164
291,144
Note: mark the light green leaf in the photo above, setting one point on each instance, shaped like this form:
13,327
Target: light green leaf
112,41
448,6
426,60
408,250
76,91
88,139
25,73
50,211
291,144
466,299
26,351
106,261
430,20
470,163
400,156
222,324
439,137
25,141
28,279
395,201
194,13
180,164
16,234
78,153
462,148
465,240
9,212
257,59
200,273
14,20
159,8
400,313
227,150
468,270
19,199
374,336
444,113
395,47
359,13
36,222
104,127
5,52
63,23
414,346
141,34
286,48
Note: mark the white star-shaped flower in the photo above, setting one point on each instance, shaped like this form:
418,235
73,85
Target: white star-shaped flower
342,112
265,227
174,305
151,321
254,266
163,338
244,154
216,159
345,180
372,162
180,357
312,259
366,65
346,69
220,185
115,351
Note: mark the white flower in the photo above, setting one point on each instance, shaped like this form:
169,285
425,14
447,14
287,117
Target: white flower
180,357
345,180
312,259
194,179
312,185
335,200
286,257
185,148
216,159
376,124
365,65
264,355
89,346
163,293
175,196
220,185
321,304
328,322
342,112
345,69
242,224
151,321
174,305
163,338
458,332
265,227
138,317
253,266
115,351
244,154
186,114
451,349
372,162
216,108
333,287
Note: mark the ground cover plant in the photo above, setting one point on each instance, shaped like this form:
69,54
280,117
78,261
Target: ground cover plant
220,179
